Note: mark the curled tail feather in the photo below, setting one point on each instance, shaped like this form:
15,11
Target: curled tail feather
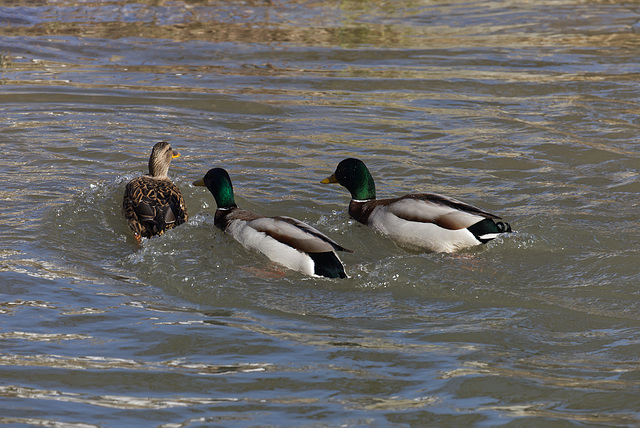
487,229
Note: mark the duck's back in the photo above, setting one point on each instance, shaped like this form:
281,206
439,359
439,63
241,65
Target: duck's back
284,240
153,206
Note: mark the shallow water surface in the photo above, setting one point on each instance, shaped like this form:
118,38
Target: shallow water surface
526,110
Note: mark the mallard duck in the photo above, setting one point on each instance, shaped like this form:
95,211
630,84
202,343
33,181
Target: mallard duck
423,221
284,240
152,204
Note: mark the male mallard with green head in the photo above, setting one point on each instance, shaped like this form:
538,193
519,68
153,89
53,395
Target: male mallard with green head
152,204
424,221
284,240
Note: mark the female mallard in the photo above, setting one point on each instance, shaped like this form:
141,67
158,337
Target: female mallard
423,221
152,204
284,240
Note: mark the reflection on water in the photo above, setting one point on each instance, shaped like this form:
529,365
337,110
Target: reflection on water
525,109
346,24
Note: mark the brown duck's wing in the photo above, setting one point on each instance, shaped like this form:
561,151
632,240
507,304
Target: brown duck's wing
152,206
133,193
296,234
177,204
441,210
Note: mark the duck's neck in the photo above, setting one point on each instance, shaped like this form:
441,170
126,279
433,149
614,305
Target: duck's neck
158,169
224,196
364,188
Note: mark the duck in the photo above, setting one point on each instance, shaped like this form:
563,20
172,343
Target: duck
153,204
284,240
420,221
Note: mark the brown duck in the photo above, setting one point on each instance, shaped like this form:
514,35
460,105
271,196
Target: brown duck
152,204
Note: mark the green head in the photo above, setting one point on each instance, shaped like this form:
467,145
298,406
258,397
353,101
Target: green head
219,184
353,174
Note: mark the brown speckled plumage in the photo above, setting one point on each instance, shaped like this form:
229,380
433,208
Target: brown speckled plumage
152,204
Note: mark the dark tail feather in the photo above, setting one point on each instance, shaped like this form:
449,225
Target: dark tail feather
506,227
486,230
327,264
164,219
156,219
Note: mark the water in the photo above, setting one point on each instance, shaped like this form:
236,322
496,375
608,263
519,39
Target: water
528,110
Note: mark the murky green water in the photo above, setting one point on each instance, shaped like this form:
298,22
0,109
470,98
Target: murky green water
529,110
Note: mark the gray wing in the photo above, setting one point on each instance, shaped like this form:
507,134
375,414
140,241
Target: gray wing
446,212
296,234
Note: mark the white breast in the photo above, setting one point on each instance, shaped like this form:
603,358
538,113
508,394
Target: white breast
275,250
419,235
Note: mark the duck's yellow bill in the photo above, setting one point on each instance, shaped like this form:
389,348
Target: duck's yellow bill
331,179
175,155
199,182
